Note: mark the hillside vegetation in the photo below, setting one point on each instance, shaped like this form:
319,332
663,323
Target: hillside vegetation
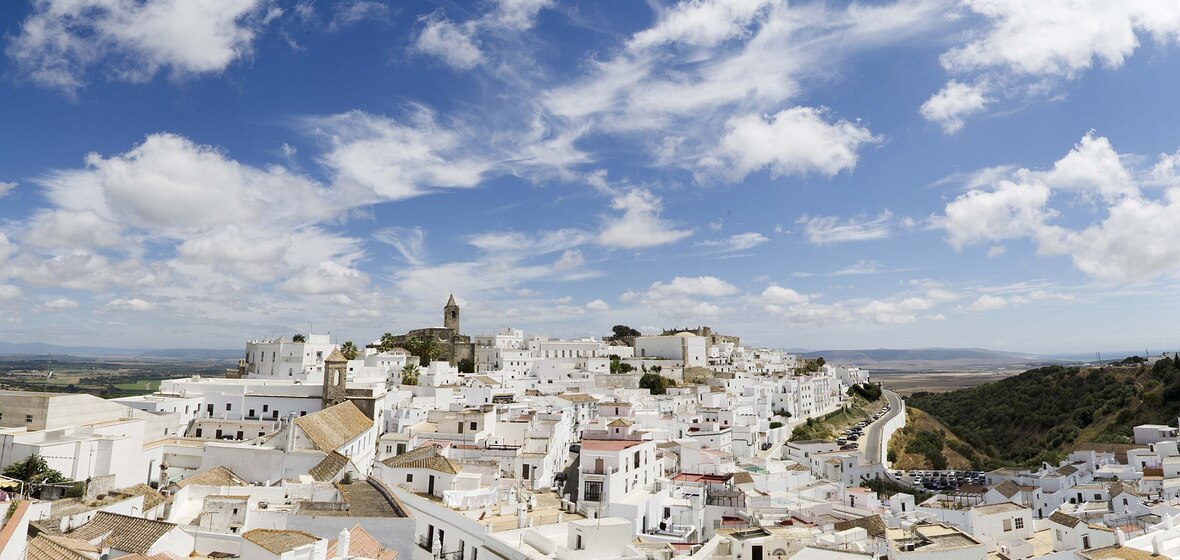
925,443
1042,413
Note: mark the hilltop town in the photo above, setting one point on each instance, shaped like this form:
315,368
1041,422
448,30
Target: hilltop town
439,445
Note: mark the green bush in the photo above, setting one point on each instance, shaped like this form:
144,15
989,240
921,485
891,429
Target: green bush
774,425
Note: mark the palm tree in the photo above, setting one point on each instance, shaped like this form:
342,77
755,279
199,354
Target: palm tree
388,342
428,349
298,338
349,350
410,374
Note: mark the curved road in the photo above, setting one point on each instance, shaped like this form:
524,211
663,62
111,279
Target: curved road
872,439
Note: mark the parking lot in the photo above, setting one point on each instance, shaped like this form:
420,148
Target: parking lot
939,481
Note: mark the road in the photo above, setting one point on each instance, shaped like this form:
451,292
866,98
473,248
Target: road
872,439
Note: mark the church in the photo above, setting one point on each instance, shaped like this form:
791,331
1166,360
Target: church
455,346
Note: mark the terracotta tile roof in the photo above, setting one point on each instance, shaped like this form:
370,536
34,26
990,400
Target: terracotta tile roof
362,544
278,542
1067,470
1064,519
873,524
487,380
620,422
332,427
122,532
742,477
1007,488
577,397
425,457
607,444
216,476
151,498
327,469
47,547
1117,553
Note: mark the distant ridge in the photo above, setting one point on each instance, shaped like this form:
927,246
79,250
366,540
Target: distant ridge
926,358
43,349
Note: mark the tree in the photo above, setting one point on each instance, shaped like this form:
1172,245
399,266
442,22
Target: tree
655,383
410,374
425,347
776,424
466,365
621,331
349,350
298,338
387,343
34,471
820,361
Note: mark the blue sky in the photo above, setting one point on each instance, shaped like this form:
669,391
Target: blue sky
985,173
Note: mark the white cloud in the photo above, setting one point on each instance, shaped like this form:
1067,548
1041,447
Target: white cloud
449,41
6,188
60,304
861,268
7,248
133,41
778,295
518,14
796,141
1011,210
130,304
738,242
1025,46
709,286
640,225
704,23
597,306
395,160
895,312
1131,244
817,314
953,103
988,303
409,242
823,230
356,11
8,291
996,251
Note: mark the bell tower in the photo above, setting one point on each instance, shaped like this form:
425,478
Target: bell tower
335,379
451,315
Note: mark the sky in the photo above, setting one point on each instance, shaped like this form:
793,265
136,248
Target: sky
912,173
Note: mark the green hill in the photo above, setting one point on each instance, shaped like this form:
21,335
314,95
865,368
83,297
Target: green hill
1042,413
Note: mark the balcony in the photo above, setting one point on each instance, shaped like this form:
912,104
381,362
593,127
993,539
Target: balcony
425,543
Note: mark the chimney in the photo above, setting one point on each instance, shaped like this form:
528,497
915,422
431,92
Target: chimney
1169,522
290,432
522,514
1120,537
342,544
1157,545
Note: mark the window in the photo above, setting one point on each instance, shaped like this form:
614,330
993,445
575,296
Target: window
474,426
1085,542
1060,536
28,418
265,407
593,491
251,415
235,511
1007,525
198,432
229,406
409,478
1019,522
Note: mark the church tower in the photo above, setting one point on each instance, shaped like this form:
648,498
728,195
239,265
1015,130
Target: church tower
451,315
335,379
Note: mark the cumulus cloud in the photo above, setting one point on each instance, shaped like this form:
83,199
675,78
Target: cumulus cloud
1132,242
62,40
895,312
449,41
597,306
6,188
778,295
953,103
640,225
796,141
390,159
684,298
824,230
1024,46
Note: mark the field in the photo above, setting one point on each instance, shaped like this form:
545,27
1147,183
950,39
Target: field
906,384
104,377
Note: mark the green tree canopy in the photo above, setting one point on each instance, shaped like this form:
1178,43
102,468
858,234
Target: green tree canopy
34,471
298,338
623,330
410,374
349,350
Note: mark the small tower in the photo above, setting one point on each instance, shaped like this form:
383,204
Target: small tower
335,378
451,315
